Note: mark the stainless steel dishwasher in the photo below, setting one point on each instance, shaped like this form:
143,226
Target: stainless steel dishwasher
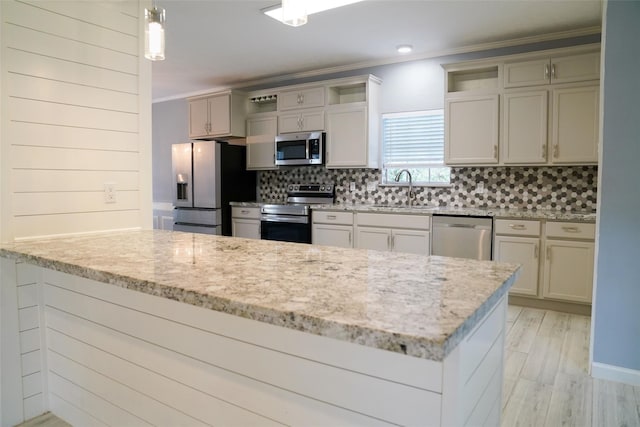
462,237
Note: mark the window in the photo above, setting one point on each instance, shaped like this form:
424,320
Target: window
414,141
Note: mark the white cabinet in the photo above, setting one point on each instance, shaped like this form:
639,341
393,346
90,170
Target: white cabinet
524,127
568,266
518,242
393,232
302,121
245,222
261,133
557,69
575,124
301,98
331,228
471,130
217,115
347,138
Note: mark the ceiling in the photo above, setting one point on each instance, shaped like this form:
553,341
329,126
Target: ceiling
215,44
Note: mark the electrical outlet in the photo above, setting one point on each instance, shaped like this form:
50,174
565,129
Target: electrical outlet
109,192
372,186
480,187
352,186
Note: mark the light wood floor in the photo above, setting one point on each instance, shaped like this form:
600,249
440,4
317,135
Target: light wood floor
546,381
546,375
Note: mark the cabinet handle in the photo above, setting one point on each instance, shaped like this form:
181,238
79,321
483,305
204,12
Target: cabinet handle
518,226
553,71
549,254
536,251
302,98
571,229
244,211
349,238
388,241
544,151
393,242
495,151
556,151
331,217
546,72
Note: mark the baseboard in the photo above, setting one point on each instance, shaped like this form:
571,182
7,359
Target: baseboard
604,371
566,307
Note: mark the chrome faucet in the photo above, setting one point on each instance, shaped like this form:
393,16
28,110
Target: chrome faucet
411,193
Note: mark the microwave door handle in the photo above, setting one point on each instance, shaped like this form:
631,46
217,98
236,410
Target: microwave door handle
306,144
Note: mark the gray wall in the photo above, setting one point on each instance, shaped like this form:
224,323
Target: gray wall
170,126
617,308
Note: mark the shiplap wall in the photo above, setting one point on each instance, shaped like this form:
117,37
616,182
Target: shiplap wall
75,115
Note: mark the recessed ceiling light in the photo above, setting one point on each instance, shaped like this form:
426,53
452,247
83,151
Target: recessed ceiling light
405,48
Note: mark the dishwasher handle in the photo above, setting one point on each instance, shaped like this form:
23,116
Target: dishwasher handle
456,225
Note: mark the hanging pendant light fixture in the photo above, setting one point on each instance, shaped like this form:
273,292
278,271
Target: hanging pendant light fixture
294,12
154,33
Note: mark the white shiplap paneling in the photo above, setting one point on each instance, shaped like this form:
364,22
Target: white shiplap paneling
75,115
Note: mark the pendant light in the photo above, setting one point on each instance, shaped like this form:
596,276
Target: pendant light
154,33
294,12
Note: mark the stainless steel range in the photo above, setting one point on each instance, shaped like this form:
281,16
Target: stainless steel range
291,222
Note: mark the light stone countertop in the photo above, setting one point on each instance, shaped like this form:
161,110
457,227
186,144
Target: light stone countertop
412,304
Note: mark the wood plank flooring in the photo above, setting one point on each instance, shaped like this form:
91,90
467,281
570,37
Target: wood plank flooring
546,380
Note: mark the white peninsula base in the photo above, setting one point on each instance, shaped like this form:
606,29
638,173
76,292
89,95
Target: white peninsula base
97,354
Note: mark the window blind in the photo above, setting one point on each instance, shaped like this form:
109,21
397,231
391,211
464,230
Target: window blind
413,140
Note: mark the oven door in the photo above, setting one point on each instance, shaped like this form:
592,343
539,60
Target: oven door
285,228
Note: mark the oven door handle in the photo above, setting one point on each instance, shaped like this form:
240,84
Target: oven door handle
292,219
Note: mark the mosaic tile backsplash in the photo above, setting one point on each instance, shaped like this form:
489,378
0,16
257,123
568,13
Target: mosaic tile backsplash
564,188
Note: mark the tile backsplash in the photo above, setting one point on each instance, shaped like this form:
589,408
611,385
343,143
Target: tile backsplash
565,188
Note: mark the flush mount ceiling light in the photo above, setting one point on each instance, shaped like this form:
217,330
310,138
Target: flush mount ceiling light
404,48
154,33
295,12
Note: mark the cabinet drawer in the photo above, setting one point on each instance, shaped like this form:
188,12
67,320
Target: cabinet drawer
242,212
345,218
418,222
571,230
517,227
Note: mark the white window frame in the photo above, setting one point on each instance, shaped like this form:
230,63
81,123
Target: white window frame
386,180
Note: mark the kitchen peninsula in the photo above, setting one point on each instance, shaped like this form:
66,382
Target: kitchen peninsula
171,328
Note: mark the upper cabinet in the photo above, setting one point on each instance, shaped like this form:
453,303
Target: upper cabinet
301,121
262,129
301,98
552,70
217,115
531,109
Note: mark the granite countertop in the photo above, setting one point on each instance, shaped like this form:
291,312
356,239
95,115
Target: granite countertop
412,304
580,216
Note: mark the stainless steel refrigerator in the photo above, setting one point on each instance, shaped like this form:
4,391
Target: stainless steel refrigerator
207,175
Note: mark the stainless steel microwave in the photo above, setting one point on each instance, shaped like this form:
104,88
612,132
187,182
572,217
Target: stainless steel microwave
300,149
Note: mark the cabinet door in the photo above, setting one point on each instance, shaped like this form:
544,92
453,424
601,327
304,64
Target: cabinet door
198,118
290,123
575,68
267,126
568,270
373,238
261,152
332,235
523,251
524,127
247,228
303,98
220,115
347,138
471,130
575,122
312,120
527,73
410,241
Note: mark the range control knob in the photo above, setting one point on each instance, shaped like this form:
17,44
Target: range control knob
296,188
322,188
290,187
328,188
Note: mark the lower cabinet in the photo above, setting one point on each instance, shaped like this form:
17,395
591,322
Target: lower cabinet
332,228
393,232
245,222
557,258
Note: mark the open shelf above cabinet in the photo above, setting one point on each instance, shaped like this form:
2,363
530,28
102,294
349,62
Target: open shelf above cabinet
262,103
347,94
485,78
